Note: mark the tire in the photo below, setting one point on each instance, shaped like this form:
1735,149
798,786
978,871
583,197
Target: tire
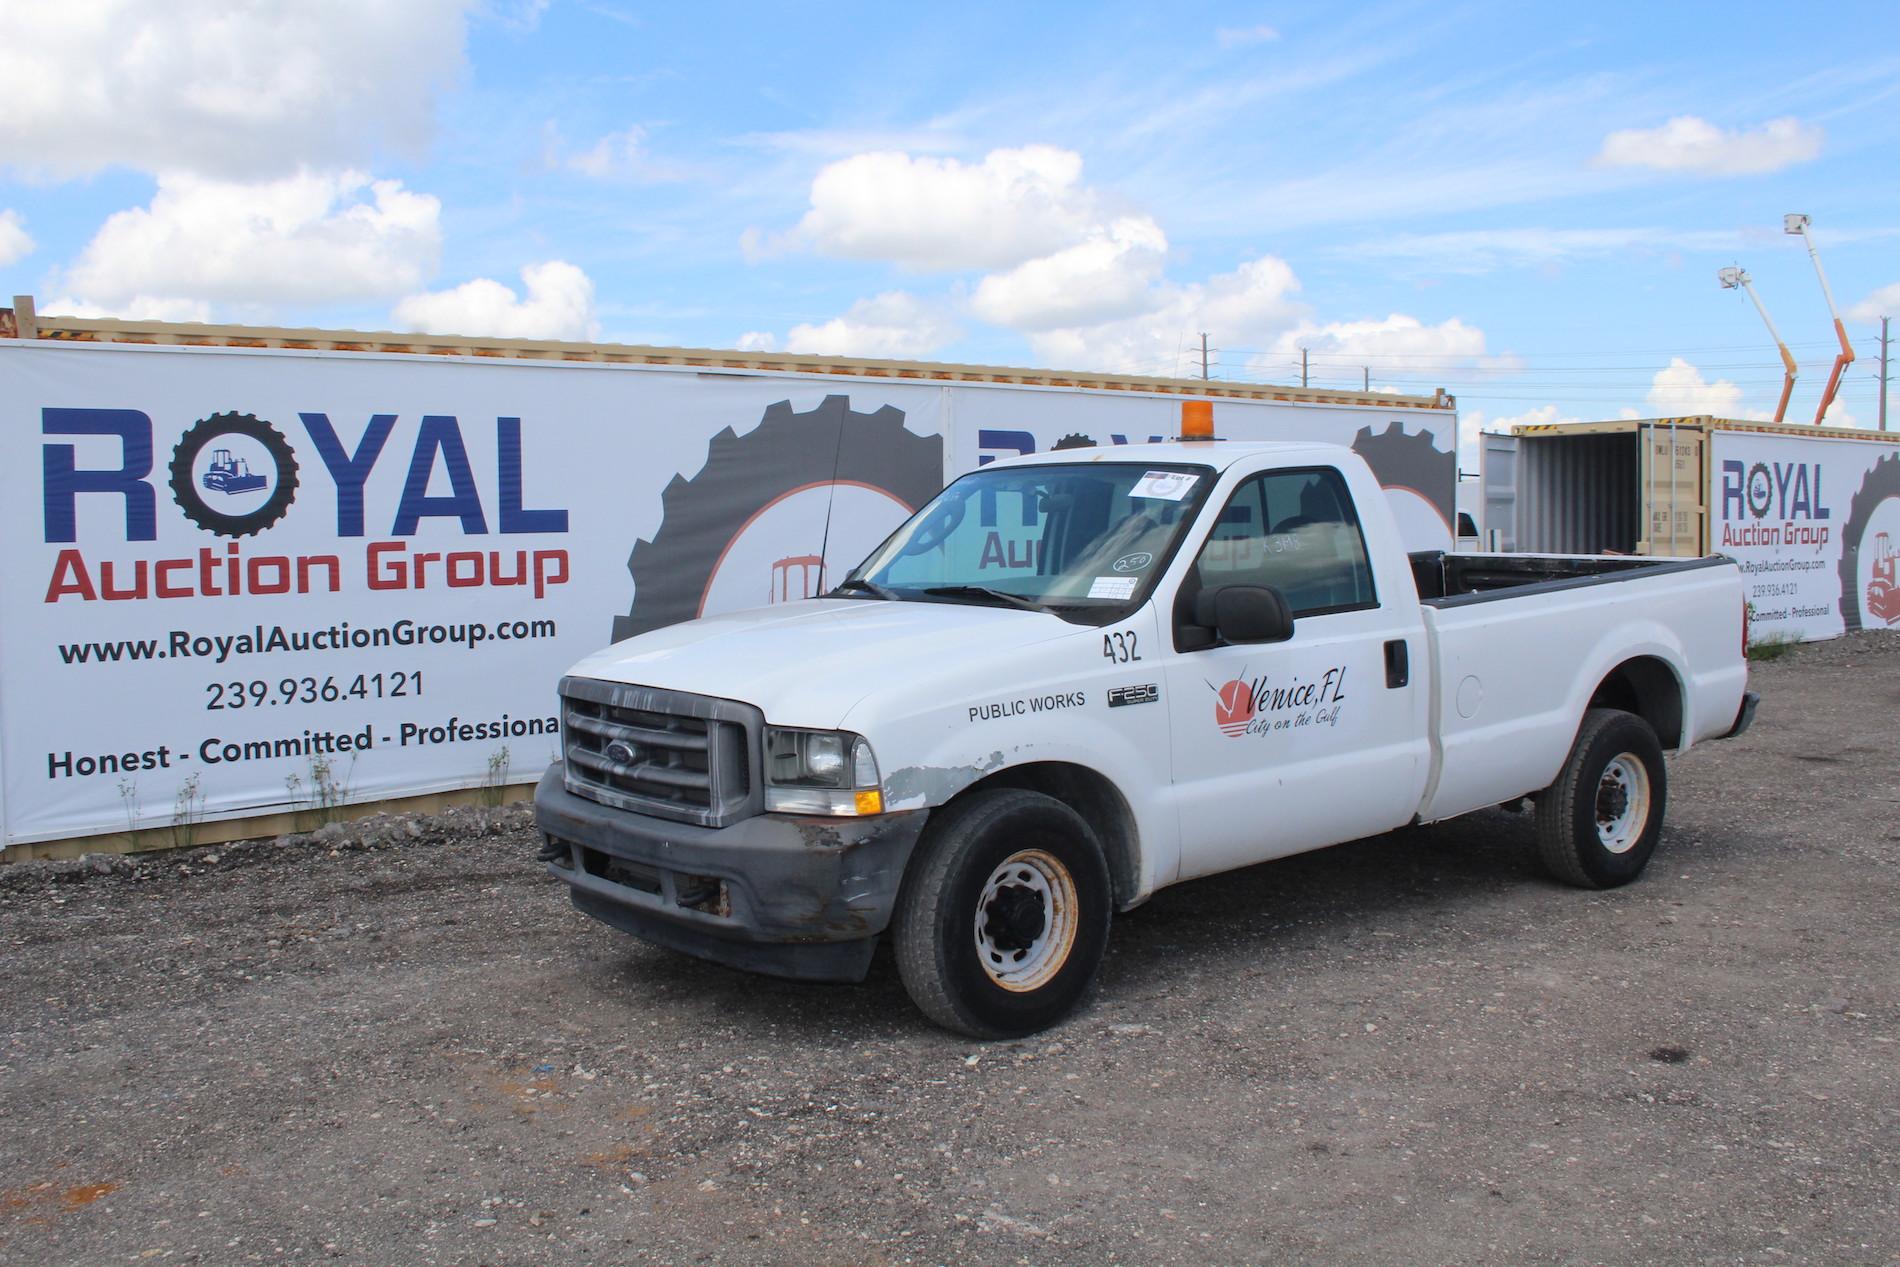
994,866
1599,822
204,433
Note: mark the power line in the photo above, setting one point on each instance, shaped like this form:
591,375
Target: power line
1567,352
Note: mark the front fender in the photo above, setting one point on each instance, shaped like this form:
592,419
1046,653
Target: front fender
936,734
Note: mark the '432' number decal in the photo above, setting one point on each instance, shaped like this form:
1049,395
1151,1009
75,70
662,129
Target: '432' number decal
1119,647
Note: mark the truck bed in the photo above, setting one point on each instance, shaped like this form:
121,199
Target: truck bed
1458,580
1520,642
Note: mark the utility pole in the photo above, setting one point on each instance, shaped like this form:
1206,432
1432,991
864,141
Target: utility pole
1302,367
1884,341
1366,371
1204,356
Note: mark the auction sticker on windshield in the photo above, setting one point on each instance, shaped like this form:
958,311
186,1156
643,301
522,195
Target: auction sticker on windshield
1164,485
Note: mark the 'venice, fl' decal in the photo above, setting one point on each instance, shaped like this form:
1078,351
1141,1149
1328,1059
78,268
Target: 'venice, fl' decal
1259,706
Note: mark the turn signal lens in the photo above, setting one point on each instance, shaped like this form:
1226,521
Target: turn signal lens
871,802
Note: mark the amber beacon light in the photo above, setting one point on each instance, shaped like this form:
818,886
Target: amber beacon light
1197,420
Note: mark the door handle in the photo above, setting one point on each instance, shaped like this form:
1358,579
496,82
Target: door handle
1398,664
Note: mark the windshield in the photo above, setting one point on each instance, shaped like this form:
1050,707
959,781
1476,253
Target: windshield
1077,539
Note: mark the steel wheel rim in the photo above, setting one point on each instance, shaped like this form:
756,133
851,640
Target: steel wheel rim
1622,806
1026,920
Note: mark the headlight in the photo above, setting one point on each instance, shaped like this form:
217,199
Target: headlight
820,772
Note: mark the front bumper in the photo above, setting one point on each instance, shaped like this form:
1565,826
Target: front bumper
789,896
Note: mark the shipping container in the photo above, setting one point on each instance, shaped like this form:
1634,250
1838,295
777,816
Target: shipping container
1811,513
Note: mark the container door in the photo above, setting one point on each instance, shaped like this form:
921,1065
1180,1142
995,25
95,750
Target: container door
1497,473
1671,478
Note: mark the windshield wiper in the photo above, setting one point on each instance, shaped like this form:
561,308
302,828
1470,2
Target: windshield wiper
869,587
984,591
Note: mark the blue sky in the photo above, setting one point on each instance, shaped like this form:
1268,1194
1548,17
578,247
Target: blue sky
1525,204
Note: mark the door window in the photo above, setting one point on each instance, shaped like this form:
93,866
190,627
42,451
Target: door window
1295,531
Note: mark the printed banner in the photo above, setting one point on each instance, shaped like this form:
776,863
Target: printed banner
1815,525
246,581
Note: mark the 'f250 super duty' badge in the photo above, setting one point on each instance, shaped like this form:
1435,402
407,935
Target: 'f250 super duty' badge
1118,696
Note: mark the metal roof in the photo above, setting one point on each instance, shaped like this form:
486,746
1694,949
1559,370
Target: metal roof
23,322
1700,422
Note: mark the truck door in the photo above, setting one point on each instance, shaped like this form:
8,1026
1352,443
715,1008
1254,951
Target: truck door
1286,746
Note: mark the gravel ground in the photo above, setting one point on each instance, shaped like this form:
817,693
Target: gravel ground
397,1043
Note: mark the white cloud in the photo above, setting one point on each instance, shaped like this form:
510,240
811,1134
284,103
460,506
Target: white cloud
814,144
1482,250
1884,302
1398,346
1474,422
1396,336
1679,391
1402,346
757,341
311,237
1839,415
617,156
1689,144
1252,304
521,15
1110,275
941,213
558,304
15,244
229,90
894,325
133,308
1241,36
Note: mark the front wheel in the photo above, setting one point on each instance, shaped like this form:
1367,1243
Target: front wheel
1598,823
1004,915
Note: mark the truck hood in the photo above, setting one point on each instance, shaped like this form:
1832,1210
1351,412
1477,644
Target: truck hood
808,663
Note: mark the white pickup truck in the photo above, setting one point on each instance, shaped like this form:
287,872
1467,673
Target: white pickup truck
1076,678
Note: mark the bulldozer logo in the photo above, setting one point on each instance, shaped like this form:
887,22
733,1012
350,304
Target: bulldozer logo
1870,588
233,474
1883,588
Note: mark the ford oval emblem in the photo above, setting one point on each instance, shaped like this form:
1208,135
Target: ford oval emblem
620,752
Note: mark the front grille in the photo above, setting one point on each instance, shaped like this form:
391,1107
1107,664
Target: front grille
687,757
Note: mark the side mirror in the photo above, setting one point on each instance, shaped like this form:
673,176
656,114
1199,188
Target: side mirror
1246,613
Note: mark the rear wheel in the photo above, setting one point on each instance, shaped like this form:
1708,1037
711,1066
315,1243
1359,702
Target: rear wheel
1598,824
1004,916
